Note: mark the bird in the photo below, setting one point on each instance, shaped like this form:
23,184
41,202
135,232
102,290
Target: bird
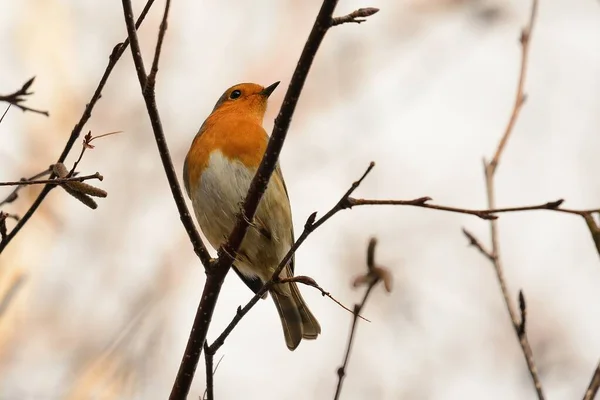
220,164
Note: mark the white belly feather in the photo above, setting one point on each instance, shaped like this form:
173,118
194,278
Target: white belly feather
217,201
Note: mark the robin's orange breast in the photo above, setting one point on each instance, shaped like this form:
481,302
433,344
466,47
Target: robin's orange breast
239,139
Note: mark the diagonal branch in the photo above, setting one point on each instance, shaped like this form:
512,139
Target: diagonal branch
310,226
592,390
116,54
148,91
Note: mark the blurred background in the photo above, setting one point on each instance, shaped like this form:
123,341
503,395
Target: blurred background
424,88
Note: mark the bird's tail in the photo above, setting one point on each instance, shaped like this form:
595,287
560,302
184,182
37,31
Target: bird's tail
296,319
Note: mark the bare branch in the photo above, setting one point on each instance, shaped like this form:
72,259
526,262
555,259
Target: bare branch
357,16
159,43
19,96
12,196
494,255
148,92
478,245
208,357
592,390
116,54
54,181
520,96
308,281
310,226
5,112
371,268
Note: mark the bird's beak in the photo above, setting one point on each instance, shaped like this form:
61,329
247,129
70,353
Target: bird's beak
269,89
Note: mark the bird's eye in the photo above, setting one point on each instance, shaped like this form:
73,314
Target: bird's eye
235,94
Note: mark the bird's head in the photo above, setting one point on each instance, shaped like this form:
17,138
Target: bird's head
246,99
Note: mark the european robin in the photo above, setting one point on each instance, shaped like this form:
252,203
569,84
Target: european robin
222,160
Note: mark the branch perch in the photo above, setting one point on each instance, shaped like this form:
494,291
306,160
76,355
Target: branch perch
116,54
310,226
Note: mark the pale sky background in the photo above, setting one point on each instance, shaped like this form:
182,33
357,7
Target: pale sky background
424,89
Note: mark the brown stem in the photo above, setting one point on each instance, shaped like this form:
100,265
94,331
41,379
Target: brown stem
209,356
592,390
341,371
19,96
55,181
12,196
148,92
356,17
494,255
87,113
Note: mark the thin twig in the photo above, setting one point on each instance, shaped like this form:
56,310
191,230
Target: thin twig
19,96
55,181
12,196
87,144
341,371
308,281
208,356
159,43
148,92
486,214
356,17
5,112
116,54
592,390
525,39
478,245
310,226
490,169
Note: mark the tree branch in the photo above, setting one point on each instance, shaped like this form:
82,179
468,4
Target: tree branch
373,278
12,196
356,17
308,281
310,226
55,181
228,252
148,92
494,254
117,52
208,356
19,96
592,390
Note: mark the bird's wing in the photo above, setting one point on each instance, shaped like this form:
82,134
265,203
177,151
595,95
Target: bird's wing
254,283
280,175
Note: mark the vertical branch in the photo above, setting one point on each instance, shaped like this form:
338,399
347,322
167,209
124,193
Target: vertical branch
374,275
228,252
490,170
209,356
341,371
